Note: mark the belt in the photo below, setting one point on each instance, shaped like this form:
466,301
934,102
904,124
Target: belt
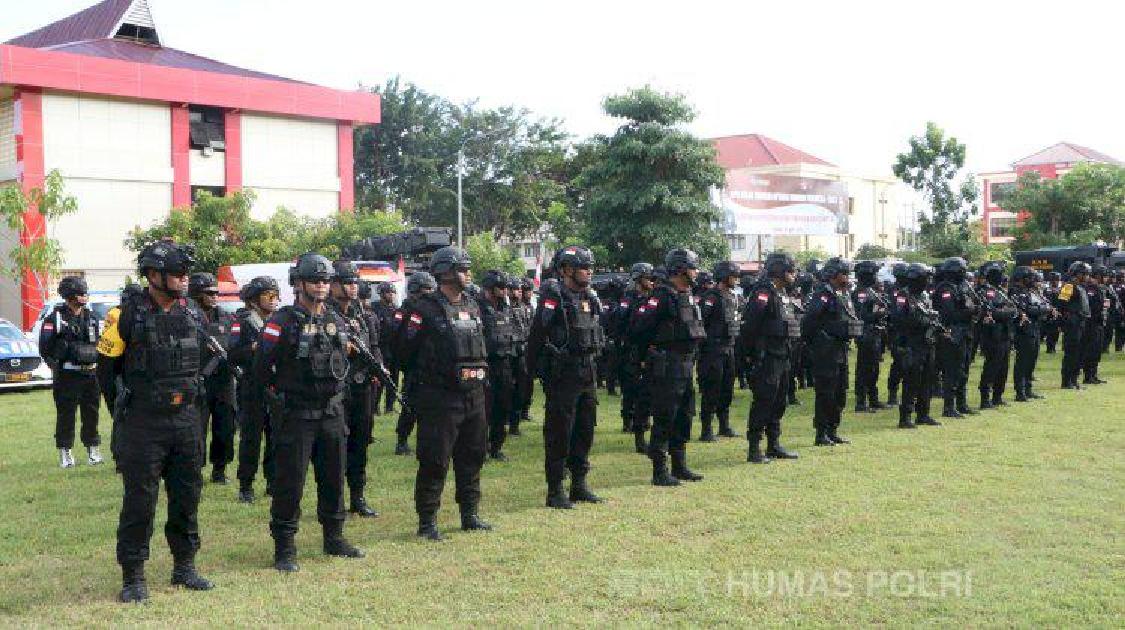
77,367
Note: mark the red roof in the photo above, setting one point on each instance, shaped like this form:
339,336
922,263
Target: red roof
1066,153
125,50
757,150
96,22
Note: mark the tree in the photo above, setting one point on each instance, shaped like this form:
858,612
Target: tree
868,251
646,188
223,233
487,254
1082,206
930,167
36,253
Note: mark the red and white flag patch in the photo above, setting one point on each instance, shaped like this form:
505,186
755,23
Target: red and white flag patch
945,295
48,326
653,302
550,304
236,327
624,304
398,316
763,296
415,320
901,299
272,330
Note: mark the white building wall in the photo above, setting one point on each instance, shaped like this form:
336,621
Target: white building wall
115,156
290,162
207,170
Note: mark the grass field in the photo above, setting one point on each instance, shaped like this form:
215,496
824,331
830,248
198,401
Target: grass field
1010,518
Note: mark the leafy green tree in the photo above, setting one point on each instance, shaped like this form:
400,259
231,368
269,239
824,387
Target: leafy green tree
931,166
487,254
869,251
1086,204
41,256
645,188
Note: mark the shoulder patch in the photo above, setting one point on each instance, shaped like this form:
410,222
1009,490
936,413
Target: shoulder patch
652,301
991,293
272,330
550,304
946,295
763,296
901,299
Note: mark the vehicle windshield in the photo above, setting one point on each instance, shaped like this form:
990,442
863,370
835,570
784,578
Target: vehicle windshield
11,333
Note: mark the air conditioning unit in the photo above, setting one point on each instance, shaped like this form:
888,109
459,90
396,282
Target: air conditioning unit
207,151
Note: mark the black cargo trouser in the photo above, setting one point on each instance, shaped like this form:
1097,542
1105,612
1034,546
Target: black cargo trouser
501,395
360,412
894,376
994,373
716,383
672,398
451,424
155,447
1051,331
917,364
301,437
770,381
388,394
868,356
76,393
217,411
831,383
521,390
568,427
1093,340
1072,352
635,402
1027,354
406,417
254,425
953,356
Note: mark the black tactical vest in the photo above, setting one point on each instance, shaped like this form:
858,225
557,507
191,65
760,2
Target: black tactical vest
584,330
784,321
80,333
459,356
162,361
500,330
724,328
686,324
317,370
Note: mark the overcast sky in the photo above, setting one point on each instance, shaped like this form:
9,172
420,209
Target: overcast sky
846,81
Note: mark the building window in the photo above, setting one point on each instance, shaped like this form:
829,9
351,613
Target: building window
216,191
531,250
72,273
1001,227
999,191
737,242
208,128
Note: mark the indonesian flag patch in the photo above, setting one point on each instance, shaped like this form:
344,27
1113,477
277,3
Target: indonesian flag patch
901,299
48,326
991,294
398,316
710,301
272,330
763,296
653,302
415,320
550,304
237,327
624,304
862,297
945,295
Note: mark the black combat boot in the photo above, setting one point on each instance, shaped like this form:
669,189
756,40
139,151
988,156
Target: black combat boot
359,505
834,435
775,450
963,404
873,401
626,424
471,522
1021,395
679,466
985,400
185,575
724,425
706,435
822,438
134,589
246,493
926,420
660,475
579,491
639,441
904,421
949,408
892,396
402,447
285,554
861,403
556,496
514,430
219,474
998,400
754,453
1031,394
336,545
427,528
496,454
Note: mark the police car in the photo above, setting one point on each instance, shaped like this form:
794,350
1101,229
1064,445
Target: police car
21,367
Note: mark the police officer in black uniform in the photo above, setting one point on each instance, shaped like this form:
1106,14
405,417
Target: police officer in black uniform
1036,310
217,404
894,374
871,308
521,380
635,414
565,340
302,361
770,329
390,316
959,308
444,352
995,330
829,324
916,326
359,396
155,348
419,283
1093,338
67,341
500,338
1074,308
1052,327
261,296
670,326
722,320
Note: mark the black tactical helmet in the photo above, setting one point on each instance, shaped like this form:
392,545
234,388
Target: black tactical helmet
344,271
916,272
954,267
1079,267
527,284
364,291
1054,275
640,270
725,269
312,266
130,291
899,272
515,283
202,282
835,266
449,259
1099,270
1022,272
166,256
779,263
573,256
993,271
1038,275
867,268
494,279
679,260
256,287
813,267
389,287
72,286
703,279
420,280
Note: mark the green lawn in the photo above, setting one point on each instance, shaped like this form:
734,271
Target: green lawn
1017,513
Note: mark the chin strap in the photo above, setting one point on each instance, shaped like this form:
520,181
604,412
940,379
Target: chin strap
164,289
